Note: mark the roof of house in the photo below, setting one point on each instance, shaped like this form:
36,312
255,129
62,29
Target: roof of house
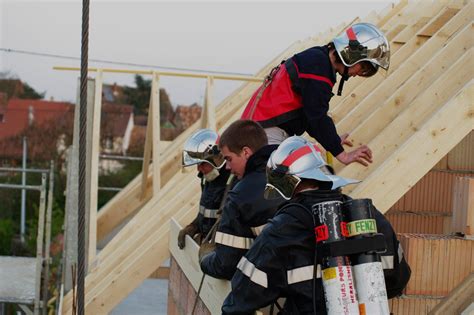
114,119
19,112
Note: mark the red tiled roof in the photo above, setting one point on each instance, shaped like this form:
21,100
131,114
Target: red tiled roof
16,114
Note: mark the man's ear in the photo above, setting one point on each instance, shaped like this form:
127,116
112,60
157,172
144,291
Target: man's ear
247,152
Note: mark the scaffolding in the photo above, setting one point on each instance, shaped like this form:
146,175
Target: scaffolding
23,278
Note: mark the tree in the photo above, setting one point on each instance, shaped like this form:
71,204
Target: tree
139,97
31,93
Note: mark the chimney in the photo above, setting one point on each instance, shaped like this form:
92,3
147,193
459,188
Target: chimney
31,115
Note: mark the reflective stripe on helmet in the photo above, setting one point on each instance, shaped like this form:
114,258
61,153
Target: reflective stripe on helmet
299,153
255,275
233,241
350,34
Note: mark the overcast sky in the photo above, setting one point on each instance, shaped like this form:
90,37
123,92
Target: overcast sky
227,36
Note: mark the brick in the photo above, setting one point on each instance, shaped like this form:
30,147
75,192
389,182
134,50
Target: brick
407,305
431,194
438,263
174,279
172,308
405,222
463,205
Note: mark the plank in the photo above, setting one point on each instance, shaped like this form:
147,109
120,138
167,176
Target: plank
341,108
389,135
94,167
413,64
420,153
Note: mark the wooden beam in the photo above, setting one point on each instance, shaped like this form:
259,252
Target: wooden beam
458,300
155,103
358,88
392,12
372,87
435,68
431,28
409,121
94,168
420,153
213,290
149,219
160,273
147,150
413,64
134,269
127,202
463,206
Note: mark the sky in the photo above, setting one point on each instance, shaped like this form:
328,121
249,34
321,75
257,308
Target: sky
224,36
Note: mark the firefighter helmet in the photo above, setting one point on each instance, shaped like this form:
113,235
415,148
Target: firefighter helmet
363,42
201,147
294,160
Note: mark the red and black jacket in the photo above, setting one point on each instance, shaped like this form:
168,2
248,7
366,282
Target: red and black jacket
297,99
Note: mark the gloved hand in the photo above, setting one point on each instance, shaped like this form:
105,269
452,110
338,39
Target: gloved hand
191,230
205,249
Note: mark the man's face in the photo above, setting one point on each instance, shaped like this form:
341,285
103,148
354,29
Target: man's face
204,168
236,162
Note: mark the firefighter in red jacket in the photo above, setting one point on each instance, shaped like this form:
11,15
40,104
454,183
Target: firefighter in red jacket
295,96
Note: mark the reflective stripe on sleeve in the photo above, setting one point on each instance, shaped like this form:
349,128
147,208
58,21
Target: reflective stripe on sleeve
255,275
258,229
208,213
301,274
400,253
233,241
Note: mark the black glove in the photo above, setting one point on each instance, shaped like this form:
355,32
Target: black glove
191,230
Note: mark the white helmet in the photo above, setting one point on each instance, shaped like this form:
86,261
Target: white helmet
363,42
294,160
201,147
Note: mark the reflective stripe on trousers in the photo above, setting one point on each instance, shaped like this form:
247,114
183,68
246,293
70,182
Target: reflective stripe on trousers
255,275
233,241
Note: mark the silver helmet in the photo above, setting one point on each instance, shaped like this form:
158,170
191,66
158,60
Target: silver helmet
294,160
201,147
363,42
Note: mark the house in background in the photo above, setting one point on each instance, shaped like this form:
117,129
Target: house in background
49,127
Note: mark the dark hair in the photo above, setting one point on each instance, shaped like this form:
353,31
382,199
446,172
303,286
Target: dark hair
330,47
243,133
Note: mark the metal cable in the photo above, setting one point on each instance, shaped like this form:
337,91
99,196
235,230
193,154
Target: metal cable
82,160
122,63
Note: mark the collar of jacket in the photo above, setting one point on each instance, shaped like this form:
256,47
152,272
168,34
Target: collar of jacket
258,160
333,72
316,196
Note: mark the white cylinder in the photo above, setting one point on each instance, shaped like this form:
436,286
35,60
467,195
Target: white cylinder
339,291
371,290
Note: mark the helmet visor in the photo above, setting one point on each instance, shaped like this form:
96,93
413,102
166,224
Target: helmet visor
192,158
280,185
